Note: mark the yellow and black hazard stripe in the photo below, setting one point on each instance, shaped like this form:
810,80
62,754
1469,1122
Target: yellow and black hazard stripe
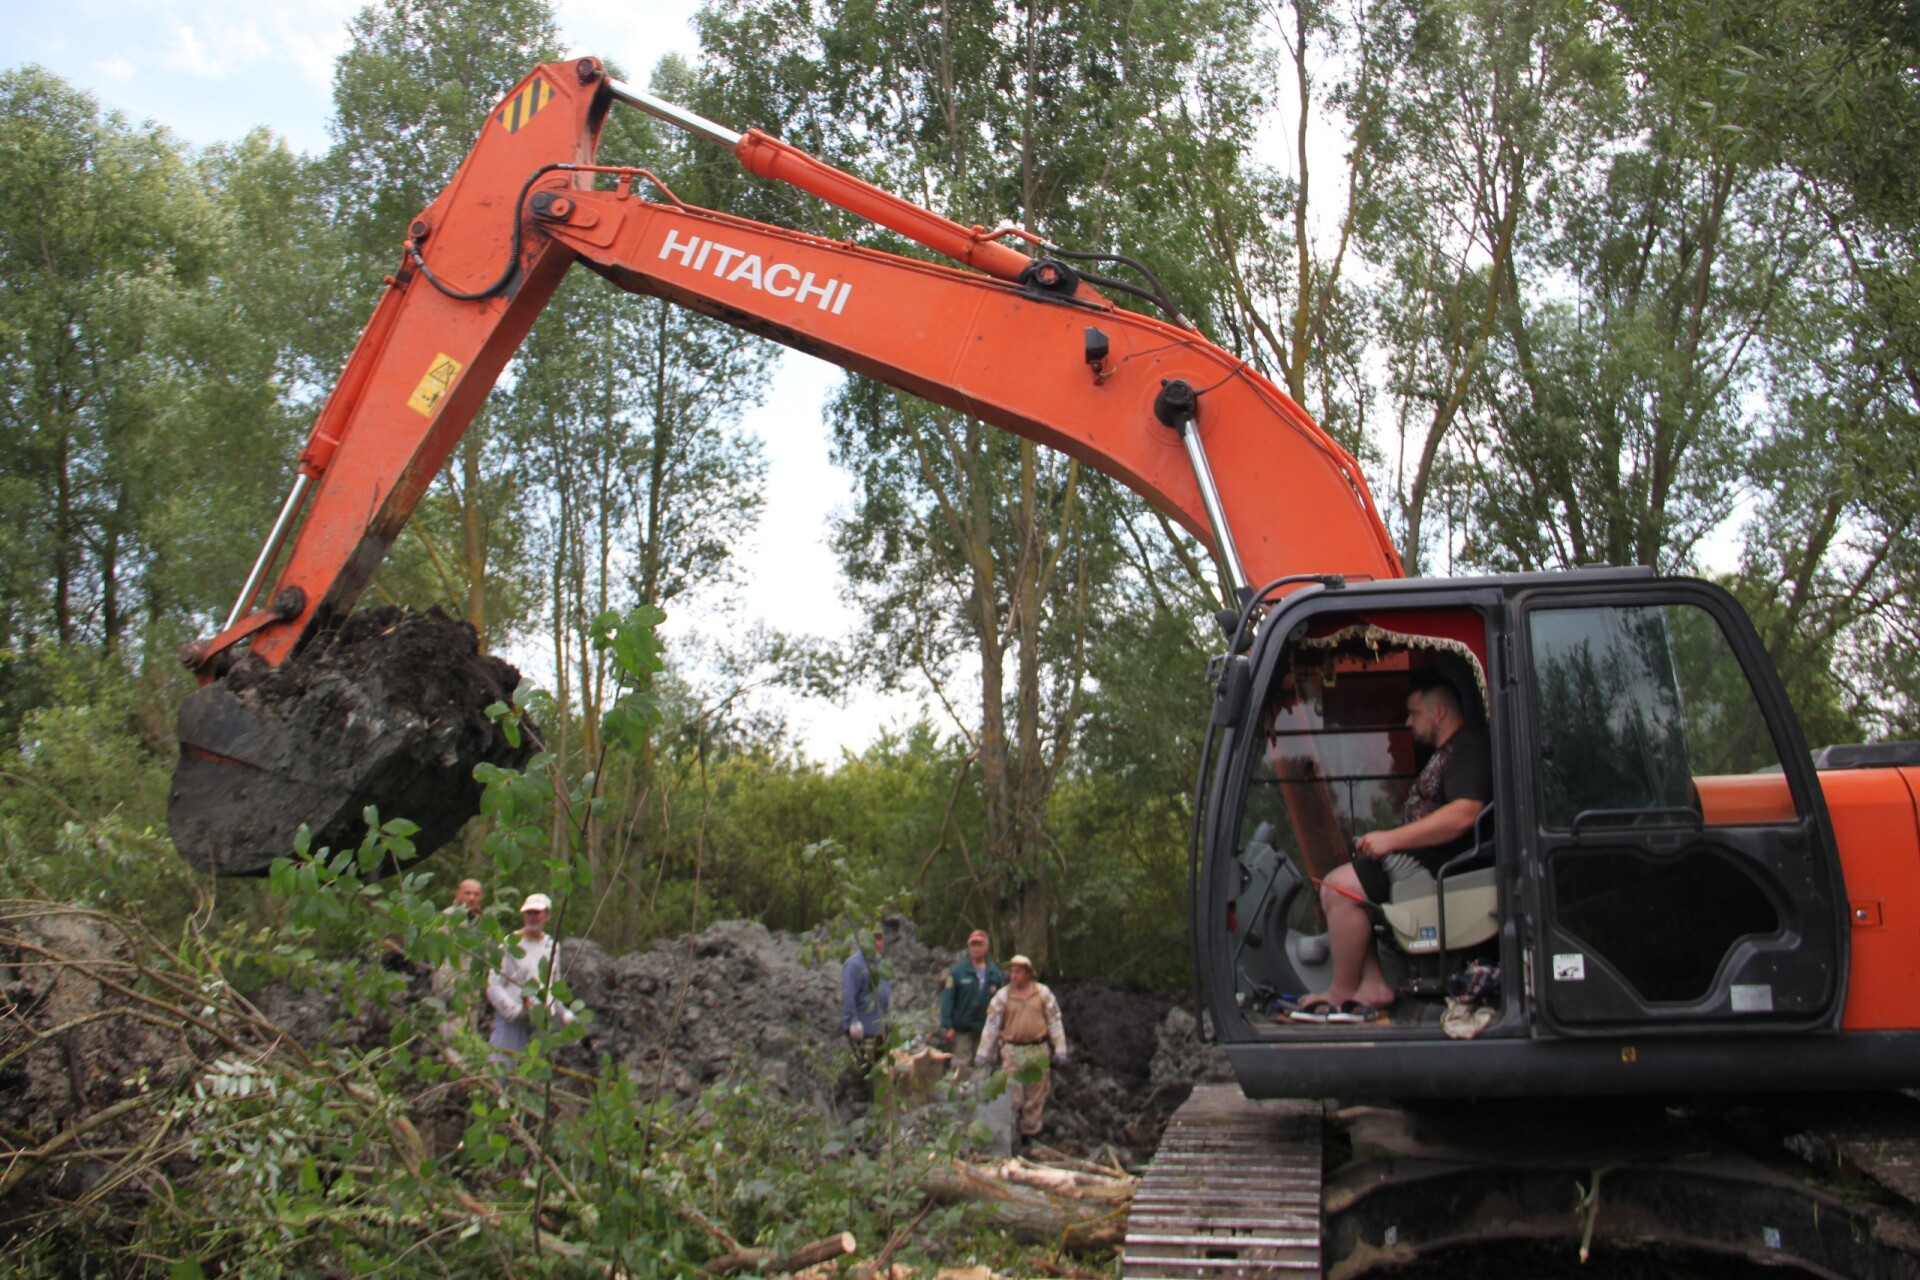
525,104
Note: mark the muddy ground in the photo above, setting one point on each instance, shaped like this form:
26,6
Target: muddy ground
736,999
737,1002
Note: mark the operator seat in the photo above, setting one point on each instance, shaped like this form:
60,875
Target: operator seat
1420,921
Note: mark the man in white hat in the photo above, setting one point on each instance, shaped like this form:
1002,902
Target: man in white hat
530,965
1023,1023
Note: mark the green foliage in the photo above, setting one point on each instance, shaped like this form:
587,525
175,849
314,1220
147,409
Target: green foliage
282,1157
131,388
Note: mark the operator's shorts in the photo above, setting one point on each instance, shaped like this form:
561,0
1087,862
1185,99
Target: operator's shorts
1379,876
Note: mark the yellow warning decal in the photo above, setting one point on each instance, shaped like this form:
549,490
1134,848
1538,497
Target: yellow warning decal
440,375
525,104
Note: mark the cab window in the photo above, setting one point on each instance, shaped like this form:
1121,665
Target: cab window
1644,708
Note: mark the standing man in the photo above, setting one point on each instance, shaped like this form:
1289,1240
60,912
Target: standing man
467,899
526,972
445,982
971,985
1023,1022
864,1002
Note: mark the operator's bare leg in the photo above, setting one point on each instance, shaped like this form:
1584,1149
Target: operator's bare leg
1356,966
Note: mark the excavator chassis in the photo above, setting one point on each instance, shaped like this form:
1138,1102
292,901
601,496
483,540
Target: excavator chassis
1242,1189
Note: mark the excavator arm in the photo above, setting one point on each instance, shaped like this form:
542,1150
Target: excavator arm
1017,341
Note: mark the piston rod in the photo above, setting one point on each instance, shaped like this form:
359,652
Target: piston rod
697,125
1178,409
1210,496
289,512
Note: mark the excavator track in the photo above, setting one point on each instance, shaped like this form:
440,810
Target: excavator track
1233,1191
1239,1188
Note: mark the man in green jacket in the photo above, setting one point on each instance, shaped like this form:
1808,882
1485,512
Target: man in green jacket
971,984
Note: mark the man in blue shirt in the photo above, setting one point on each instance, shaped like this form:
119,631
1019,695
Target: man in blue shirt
970,985
863,1002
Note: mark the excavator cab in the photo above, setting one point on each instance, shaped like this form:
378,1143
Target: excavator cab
1655,875
1338,762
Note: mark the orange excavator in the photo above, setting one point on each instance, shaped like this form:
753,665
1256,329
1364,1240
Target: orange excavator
1667,894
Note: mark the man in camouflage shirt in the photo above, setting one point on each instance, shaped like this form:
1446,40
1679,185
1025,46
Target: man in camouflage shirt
1023,1023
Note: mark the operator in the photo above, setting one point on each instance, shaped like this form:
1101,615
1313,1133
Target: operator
971,984
1023,1022
1437,823
863,1002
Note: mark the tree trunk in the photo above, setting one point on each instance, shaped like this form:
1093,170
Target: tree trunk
773,1262
1093,1225
1029,768
110,619
63,542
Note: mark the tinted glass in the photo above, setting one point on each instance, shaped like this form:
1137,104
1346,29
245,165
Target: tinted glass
1636,704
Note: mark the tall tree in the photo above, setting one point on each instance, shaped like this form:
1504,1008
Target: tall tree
982,561
1615,426
626,418
1486,102
410,95
1824,98
1282,226
101,224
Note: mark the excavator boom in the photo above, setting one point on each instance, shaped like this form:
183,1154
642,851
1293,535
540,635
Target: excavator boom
1017,341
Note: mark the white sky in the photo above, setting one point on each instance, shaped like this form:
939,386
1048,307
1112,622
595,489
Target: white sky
213,69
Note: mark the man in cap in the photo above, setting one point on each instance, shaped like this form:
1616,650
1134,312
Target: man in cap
528,968
863,1001
971,984
1023,1023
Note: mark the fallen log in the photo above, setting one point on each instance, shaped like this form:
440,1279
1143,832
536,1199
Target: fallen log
1029,1214
773,1262
1070,1184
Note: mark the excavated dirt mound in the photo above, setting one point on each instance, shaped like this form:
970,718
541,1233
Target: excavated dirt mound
69,1045
738,1002
388,710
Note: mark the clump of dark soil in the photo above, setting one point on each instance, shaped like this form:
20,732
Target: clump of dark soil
388,710
1113,1026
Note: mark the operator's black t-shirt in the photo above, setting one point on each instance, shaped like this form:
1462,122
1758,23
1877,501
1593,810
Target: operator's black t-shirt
1461,768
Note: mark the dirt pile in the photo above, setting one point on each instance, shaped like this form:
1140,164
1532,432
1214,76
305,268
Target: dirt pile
736,1001
70,1045
388,710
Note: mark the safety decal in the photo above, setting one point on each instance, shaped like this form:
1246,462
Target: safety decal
1569,966
439,376
525,104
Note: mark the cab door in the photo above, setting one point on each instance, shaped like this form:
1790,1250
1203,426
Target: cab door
1682,873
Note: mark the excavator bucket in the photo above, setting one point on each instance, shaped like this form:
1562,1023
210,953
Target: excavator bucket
389,710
